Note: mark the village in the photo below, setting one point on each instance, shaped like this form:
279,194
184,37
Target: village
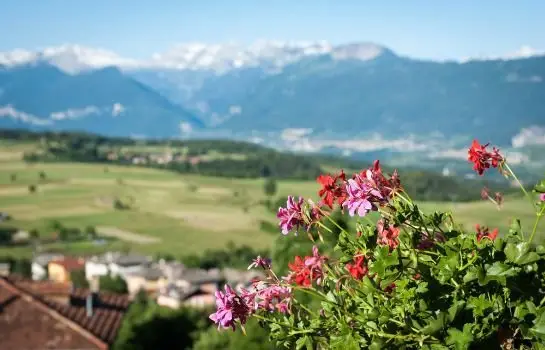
169,283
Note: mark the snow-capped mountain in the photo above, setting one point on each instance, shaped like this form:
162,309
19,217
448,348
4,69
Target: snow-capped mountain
192,56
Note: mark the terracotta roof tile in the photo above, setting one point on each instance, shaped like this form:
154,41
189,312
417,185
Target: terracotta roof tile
70,264
108,310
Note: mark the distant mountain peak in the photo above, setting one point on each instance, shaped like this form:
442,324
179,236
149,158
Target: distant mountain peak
360,51
194,56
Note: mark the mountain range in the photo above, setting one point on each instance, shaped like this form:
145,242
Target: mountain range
345,99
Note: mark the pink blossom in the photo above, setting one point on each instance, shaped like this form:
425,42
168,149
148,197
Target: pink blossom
229,308
297,214
542,197
269,297
360,194
387,235
264,263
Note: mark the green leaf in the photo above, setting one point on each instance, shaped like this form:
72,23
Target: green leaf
540,187
434,324
460,340
539,326
456,307
301,342
519,253
472,274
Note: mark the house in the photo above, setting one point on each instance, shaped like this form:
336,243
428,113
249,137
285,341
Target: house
146,279
39,265
97,266
59,270
4,269
50,315
115,264
128,264
174,296
189,286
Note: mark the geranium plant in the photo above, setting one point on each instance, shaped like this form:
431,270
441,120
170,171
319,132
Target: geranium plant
411,280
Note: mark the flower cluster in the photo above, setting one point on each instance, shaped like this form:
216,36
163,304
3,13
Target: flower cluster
308,269
482,159
333,189
230,308
483,232
408,280
297,214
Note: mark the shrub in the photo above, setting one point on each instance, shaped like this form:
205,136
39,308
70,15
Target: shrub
32,188
411,280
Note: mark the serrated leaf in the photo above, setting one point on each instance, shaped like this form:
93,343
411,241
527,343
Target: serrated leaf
461,340
434,324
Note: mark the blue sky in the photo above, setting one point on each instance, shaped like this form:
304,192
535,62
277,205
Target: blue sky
138,28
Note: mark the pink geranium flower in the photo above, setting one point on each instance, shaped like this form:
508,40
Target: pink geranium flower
229,308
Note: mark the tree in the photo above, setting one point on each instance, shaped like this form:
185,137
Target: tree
113,284
13,177
270,187
156,327
42,175
32,188
256,338
78,279
91,232
22,267
34,235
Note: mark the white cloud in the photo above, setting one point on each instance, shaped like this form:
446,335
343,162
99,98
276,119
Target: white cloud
74,113
117,109
10,112
524,51
235,110
534,135
185,128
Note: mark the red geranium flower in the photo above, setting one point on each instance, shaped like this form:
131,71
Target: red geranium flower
483,232
300,273
358,269
387,235
482,159
331,189
307,269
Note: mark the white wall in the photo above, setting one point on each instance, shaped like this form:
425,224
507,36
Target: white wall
95,269
38,272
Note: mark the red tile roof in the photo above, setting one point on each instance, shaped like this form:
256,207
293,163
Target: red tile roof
43,315
69,264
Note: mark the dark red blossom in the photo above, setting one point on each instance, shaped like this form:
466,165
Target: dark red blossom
390,288
358,268
387,235
482,159
333,189
428,241
483,232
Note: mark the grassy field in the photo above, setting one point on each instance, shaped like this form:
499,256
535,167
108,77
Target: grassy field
170,213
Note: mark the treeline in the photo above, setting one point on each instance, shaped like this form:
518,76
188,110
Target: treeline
257,162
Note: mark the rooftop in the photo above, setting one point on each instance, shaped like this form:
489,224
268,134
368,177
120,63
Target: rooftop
70,264
30,318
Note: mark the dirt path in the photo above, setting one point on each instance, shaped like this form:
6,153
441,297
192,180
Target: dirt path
126,235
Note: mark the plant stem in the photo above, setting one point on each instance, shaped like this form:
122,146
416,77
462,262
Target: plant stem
520,185
538,218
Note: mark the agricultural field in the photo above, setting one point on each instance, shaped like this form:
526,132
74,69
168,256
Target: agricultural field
166,212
